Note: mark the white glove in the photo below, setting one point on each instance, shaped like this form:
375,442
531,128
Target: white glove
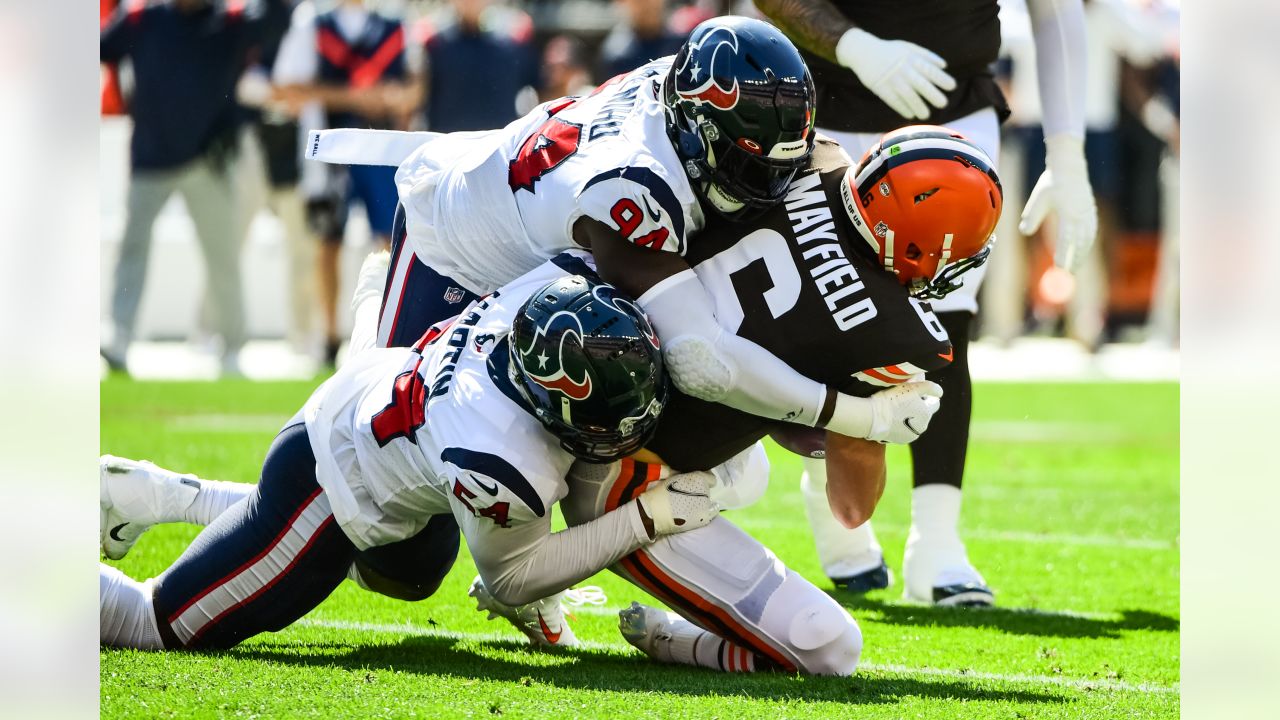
253,89
902,413
1064,187
680,503
895,415
899,72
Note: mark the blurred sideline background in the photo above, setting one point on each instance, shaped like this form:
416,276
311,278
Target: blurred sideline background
1118,319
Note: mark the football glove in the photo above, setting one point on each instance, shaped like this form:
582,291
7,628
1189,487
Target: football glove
1064,187
680,503
895,415
902,74
902,414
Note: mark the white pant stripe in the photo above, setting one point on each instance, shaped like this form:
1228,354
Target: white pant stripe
247,583
399,274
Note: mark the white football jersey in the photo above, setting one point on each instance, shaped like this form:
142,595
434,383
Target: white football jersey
484,208
401,434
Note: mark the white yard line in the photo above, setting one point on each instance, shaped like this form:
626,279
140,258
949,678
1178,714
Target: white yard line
1075,683
1131,543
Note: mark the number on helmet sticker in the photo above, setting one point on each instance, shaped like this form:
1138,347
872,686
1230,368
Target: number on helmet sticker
545,149
931,322
762,245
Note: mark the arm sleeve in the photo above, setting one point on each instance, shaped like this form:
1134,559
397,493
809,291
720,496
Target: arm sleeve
709,363
526,561
1058,29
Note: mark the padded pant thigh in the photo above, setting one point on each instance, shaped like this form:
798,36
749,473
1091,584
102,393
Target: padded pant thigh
724,580
412,569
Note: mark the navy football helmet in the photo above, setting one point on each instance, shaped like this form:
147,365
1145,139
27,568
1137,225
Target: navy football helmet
740,111
588,362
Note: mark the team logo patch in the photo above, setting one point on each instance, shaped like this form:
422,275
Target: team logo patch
548,371
705,89
453,295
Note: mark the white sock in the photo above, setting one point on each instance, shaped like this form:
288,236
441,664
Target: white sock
689,644
842,552
935,513
125,615
214,498
935,555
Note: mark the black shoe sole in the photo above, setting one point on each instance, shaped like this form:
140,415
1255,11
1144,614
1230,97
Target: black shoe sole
877,578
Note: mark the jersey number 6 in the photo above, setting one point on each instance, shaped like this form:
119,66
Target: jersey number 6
764,245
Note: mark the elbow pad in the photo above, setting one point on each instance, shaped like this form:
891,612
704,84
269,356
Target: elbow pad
697,369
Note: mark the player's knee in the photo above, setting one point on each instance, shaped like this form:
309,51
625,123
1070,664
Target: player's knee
826,639
696,369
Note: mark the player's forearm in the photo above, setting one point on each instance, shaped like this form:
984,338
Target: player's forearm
557,561
855,478
709,363
1059,32
332,97
815,25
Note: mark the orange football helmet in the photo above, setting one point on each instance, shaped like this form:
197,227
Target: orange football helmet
927,200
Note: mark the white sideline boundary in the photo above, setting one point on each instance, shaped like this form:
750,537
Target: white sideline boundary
1048,680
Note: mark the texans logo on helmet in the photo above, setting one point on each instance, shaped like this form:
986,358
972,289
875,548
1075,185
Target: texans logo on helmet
605,294
557,379
691,72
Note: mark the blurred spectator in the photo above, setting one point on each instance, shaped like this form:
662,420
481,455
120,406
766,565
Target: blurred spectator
1117,33
350,62
270,171
642,36
564,69
476,65
685,18
112,99
186,56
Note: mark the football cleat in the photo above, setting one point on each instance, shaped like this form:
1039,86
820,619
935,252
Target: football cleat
543,621
649,629
877,578
968,594
943,576
133,496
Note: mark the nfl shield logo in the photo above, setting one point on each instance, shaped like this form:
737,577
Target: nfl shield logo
453,295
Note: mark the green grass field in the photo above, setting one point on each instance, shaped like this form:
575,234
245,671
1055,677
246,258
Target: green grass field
1071,512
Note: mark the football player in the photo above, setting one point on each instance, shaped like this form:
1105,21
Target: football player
876,63
835,281
475,426
630,172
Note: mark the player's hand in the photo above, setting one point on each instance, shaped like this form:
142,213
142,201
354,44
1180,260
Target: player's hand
902,414
902,74
680,503
1064,188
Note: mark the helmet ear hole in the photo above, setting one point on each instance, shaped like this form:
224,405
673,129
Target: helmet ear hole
913,252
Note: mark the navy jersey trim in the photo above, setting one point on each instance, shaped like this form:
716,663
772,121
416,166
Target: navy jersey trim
575,266
656,186
499,470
